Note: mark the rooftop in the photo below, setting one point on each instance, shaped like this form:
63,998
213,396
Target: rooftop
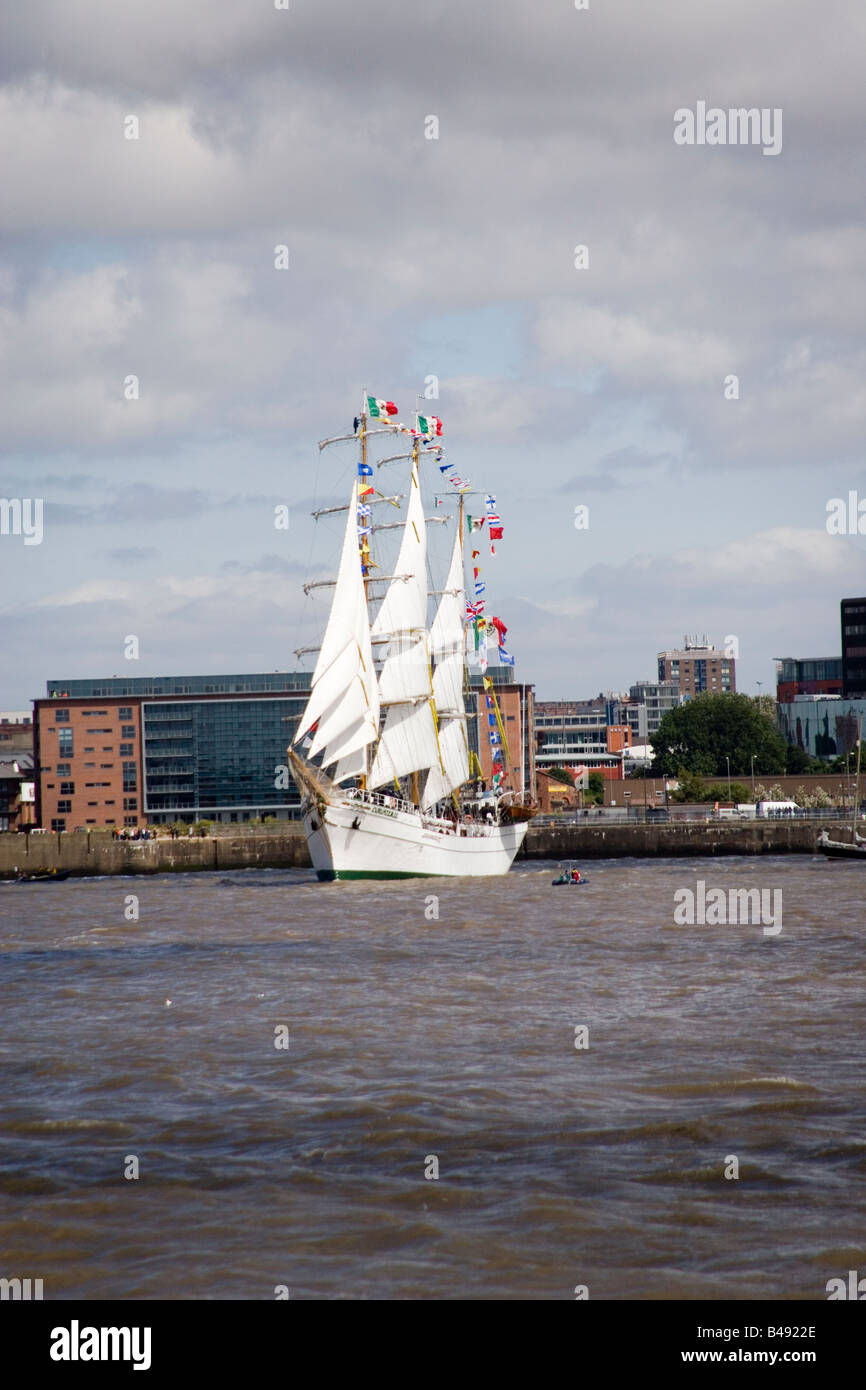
144,686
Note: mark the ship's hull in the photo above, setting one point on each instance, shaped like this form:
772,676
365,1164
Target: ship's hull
837,850
350,840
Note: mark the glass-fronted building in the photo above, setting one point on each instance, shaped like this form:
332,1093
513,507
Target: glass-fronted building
218,759
164,749
824,726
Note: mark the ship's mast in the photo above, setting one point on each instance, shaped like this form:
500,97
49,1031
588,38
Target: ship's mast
362,430
362,434
416,790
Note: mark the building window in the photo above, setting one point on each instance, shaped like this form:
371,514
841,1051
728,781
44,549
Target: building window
50,786
109,749
130,803
109,803
91,821
93,803
130,777
106,766
90,750
58,825
130,820
64,769
128,731
127,750
64,808
61,716
125,712
65,743
67,788
90,764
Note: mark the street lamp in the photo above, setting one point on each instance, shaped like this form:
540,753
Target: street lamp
728,761
753,776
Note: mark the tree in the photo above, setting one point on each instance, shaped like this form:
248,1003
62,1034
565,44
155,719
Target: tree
693,788
595,788
690,788
797,760
766,704
739,793
699,736
560,774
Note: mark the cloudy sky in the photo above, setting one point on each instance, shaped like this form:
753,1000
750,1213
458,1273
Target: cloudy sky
412,257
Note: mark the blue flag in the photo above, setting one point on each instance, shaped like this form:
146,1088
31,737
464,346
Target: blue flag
504,658
365,470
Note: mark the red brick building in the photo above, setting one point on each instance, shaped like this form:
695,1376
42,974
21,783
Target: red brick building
516,709
698,668
88,762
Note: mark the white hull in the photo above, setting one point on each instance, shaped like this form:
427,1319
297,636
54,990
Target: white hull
351,839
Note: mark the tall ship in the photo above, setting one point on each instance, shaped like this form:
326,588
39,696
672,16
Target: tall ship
390,786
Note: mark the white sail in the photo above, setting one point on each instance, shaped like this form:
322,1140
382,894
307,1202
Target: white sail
446,640
408,743
404,607
408,740
344,693
455,761
355,765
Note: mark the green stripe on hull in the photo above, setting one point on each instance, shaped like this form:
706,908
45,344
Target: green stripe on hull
329,875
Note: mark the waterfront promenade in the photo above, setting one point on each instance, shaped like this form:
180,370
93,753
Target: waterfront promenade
279,847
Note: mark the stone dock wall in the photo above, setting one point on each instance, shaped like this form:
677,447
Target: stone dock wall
94,852
689,839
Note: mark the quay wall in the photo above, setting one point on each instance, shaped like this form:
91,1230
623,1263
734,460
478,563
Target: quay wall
689,838
94,852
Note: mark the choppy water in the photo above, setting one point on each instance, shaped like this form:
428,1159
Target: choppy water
412,1037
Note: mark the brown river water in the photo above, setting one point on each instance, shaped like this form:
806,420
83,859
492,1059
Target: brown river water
413,1038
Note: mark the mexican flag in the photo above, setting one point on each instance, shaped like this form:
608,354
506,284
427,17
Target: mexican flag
380,410
429,424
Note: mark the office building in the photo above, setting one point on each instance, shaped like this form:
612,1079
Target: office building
517,711
142,750
572,732
812,675
647,704
698,668
854,648
824,726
